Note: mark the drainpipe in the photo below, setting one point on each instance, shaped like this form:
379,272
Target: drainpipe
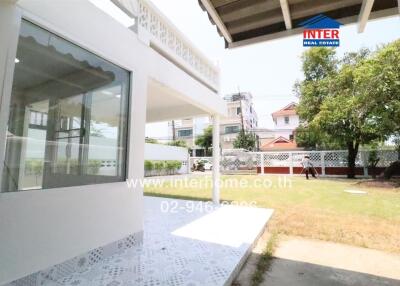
216,160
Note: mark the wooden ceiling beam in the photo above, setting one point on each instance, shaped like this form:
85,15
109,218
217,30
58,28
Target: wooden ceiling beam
217,20
286,14
363,17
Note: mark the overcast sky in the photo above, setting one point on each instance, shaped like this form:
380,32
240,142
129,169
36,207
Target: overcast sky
268,70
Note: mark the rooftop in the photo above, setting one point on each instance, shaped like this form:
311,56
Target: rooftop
289,109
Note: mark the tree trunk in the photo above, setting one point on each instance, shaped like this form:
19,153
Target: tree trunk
352,149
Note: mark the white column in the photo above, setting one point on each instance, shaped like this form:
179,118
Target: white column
216,160
322,163
291,163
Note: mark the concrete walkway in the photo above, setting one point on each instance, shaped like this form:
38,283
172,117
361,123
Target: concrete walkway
303,262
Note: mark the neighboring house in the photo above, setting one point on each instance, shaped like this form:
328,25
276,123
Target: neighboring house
264,135
279,144
286,121
188,129
240,112
77,89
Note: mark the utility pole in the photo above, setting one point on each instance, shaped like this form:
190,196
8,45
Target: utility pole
173,131
241,110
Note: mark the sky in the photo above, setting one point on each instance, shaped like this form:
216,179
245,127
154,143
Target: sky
268,70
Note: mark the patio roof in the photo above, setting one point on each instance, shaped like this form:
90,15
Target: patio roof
243,22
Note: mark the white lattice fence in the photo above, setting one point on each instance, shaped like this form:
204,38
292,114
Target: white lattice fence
236,160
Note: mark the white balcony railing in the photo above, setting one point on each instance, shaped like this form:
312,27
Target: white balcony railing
166,37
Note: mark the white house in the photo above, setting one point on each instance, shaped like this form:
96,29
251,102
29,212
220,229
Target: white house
75,83
286,121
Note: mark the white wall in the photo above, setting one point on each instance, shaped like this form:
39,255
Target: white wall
159,152
293,122
46,227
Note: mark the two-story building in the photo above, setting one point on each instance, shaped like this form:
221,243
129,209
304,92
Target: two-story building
286,121
241,114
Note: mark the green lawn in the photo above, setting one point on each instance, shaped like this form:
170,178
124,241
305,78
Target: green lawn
315,209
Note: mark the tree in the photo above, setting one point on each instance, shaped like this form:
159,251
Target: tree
245,141
318,65
205,140
313,139
354,101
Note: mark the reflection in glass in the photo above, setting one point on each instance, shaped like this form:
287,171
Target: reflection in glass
68,116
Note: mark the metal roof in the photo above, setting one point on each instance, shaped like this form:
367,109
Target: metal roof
243,22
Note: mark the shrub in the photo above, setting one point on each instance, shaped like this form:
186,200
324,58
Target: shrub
393,169
93,167
159,166
170,166
178,165
148,165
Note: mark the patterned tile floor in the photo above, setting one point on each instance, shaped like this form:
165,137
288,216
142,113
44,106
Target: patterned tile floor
185,243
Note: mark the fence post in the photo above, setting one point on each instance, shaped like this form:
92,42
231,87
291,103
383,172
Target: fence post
322,163
262,163
291,162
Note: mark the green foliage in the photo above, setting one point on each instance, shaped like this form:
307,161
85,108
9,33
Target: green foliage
373,158
151,140
74,167
312,139
170,166
178,165
148,165
265,260
93,167
178,143
205,140
162,167
353,101
245,141
159,166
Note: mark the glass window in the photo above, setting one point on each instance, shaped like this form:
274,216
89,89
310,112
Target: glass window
68,116
231,129
185,133
286,119
238,110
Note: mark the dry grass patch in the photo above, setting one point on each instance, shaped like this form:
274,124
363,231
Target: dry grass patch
318,209
361,231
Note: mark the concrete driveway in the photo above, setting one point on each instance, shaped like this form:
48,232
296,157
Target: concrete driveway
304,262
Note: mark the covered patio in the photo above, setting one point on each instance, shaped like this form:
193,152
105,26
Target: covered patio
184,243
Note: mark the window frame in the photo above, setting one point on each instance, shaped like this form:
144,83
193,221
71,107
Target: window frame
185,136
287,122
8,80
232,126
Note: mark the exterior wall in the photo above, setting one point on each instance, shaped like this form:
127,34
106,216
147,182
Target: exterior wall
46,227
283,129
158,152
